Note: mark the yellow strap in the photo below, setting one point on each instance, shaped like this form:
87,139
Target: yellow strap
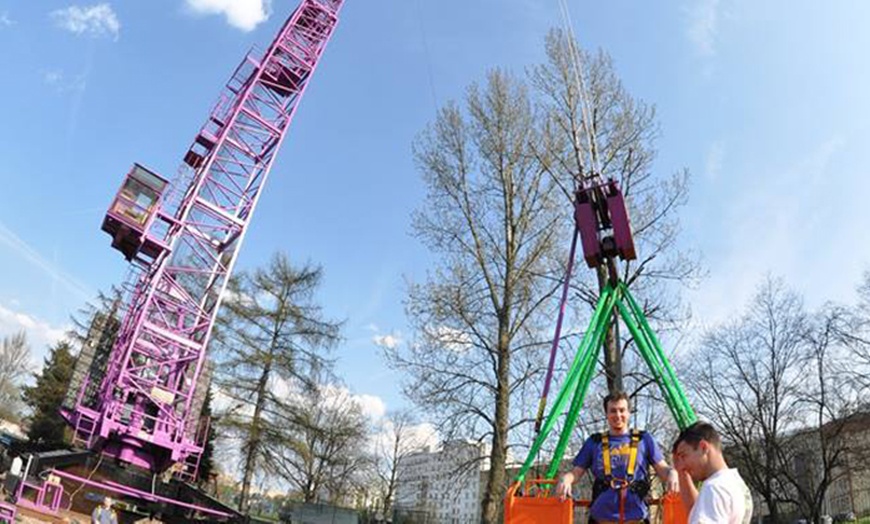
632,454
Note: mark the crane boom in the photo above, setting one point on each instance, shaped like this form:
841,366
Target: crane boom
142,403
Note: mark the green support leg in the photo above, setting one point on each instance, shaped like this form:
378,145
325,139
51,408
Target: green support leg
686,415
579,394
586,355
582,370
647,354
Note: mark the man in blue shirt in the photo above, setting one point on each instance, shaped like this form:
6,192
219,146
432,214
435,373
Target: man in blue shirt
618,461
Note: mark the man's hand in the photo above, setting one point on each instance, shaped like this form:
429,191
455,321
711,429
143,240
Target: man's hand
563,489
673,482
668,475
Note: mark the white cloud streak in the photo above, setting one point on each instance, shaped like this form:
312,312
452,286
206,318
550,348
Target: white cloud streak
242,14
95,20
715,160
786,225
61,83
5,21
703,26
25,251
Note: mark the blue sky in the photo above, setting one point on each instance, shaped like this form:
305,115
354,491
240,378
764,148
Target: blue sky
765,102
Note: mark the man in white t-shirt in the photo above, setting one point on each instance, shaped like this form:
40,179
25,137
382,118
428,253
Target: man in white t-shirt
724,497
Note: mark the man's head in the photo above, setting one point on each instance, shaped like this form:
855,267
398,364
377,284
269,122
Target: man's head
698,450
616,408
107,502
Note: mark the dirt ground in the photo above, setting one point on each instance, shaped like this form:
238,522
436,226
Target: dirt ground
26,516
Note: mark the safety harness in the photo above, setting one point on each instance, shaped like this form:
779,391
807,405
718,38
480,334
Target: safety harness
620,485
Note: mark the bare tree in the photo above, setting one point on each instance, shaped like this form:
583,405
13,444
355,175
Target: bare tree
822,453
856,333
747,378
14,367
270,336
495,215
598,128
478,318
397,440
323,453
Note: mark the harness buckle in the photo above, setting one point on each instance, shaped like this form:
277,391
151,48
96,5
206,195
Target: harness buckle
617,484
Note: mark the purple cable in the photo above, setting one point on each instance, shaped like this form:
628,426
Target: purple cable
562,305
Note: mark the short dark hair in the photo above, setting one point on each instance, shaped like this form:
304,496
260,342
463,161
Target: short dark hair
694,434
615,396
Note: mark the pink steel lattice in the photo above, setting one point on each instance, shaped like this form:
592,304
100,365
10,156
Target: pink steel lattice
148,406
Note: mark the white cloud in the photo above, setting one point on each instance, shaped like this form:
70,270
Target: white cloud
413,438
242,14
40,334
387,341
62,83
221,402
94,20
704,26
715,160
24,250
246,300
425,434
5,21
449,338
373,406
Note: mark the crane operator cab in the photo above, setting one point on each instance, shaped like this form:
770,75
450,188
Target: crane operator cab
132,212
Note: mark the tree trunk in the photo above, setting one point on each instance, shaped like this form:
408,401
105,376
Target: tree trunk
772,509
391,485
254,440
612,353
495,484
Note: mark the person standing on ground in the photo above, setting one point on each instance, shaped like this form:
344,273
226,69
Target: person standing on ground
618,459
13,477
724,497
104,514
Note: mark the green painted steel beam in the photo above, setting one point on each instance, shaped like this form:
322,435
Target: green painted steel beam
586,352
583,369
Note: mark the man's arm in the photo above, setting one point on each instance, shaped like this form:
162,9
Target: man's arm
563,489
688,491
667,475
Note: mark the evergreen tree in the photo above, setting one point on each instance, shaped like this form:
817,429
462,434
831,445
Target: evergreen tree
271,337
206,461
45,397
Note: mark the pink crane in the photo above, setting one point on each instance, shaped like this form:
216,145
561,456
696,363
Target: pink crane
138,402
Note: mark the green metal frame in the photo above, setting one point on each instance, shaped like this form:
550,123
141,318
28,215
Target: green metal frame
581,372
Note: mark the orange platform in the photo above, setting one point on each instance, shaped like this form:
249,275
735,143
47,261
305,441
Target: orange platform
534,504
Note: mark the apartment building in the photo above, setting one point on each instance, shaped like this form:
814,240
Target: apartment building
441,486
